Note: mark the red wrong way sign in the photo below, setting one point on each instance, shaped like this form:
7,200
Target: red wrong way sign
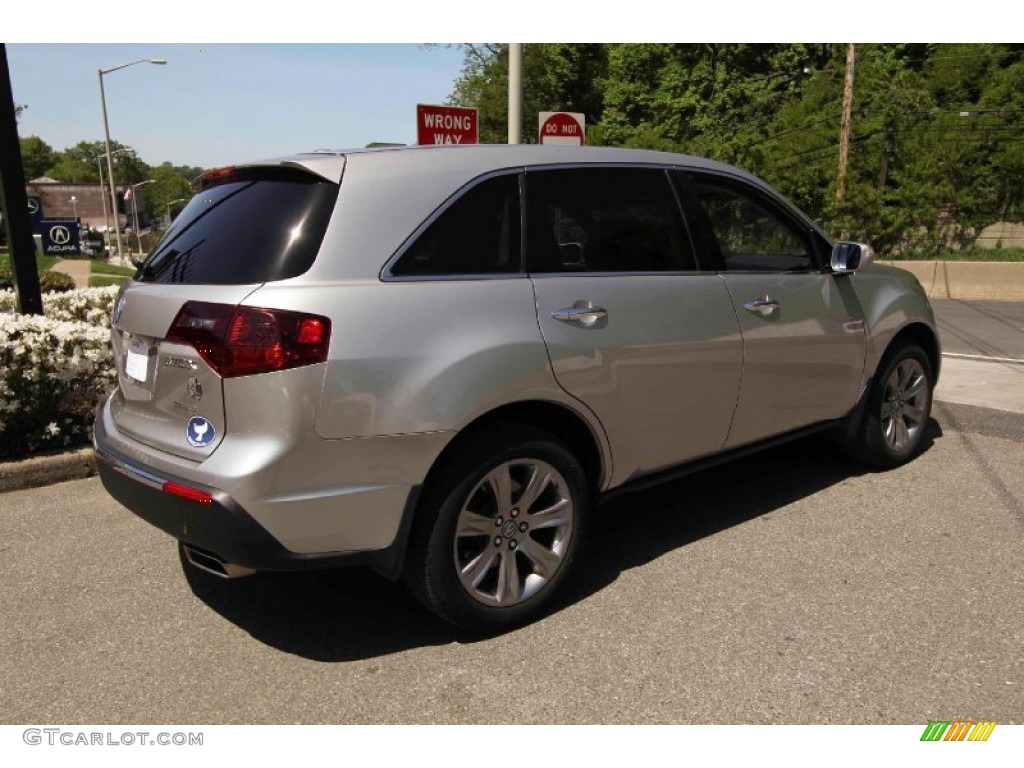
436,124
567,128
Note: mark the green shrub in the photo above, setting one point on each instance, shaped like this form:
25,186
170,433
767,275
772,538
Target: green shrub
54,370
48,280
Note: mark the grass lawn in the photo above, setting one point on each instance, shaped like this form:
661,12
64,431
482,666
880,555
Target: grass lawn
42,262
109,274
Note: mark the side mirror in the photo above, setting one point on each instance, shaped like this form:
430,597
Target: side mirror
851,257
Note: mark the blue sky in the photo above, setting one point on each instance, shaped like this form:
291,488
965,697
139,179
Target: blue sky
214,104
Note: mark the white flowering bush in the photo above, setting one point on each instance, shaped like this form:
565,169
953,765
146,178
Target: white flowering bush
54,370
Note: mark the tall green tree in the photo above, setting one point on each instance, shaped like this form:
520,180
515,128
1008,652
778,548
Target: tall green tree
78,164
167,192
556,77
36,156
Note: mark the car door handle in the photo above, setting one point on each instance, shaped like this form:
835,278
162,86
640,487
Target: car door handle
763,306
586,315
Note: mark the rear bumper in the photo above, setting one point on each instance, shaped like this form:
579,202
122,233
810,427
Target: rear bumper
221,526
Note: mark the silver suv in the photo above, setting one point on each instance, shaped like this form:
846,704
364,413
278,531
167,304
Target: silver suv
433,361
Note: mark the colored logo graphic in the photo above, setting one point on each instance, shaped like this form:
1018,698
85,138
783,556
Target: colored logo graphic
958,730
200,432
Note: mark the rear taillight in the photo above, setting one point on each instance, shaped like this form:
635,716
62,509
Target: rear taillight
240,341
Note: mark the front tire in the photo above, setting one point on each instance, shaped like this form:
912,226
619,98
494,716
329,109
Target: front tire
498,529
898,406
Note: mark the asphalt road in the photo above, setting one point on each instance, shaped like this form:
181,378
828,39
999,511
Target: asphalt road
790,587
989,328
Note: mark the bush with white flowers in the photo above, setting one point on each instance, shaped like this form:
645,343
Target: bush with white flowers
54,370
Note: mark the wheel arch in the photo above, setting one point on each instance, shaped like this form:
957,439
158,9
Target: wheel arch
562,422
924,337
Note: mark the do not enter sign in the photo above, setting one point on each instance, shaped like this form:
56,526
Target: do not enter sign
566,128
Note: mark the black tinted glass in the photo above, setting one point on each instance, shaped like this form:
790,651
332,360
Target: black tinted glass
750,236
255,227
604,220
478,234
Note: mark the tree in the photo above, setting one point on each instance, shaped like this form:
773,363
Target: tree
935,149
36,157
78,163
168,186
709,99
556,76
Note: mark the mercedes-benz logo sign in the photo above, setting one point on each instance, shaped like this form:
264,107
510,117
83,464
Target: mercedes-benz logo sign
33,205
60,235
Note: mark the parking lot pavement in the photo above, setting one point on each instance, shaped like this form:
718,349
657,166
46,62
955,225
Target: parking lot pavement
981,328
983,353
990,384
790,587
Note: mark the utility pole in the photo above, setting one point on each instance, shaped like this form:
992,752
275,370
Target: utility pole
515,93
844,130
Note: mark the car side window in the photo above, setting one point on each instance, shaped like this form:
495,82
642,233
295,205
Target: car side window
478,234
750,236
604,220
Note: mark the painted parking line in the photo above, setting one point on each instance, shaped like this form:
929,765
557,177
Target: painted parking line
985,358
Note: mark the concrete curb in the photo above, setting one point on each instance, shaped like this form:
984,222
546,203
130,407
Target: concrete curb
993,280
47,469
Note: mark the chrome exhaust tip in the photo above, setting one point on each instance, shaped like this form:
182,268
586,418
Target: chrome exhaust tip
212,564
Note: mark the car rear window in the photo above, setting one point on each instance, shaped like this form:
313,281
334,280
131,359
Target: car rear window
247,226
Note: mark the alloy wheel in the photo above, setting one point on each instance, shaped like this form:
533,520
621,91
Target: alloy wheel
513,532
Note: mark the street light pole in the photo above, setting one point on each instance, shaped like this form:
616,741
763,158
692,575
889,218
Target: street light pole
135,208
74,206
106,136
179,200
103,198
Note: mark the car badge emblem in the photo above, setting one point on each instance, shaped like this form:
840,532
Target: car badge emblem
194,389
200,432
119,308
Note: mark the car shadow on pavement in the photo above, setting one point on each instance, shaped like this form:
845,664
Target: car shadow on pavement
352,614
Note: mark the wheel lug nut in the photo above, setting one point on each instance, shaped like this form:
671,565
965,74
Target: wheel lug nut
522,527
497,541
498,521
515,512
512,544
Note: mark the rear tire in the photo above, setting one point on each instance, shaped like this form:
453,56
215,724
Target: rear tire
498,528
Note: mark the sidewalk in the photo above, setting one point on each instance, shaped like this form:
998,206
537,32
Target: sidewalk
78,269
983,383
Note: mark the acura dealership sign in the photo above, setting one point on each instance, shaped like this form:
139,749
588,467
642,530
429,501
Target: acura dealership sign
60,237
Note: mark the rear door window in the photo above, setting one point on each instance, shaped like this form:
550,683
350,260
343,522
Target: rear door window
249,226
